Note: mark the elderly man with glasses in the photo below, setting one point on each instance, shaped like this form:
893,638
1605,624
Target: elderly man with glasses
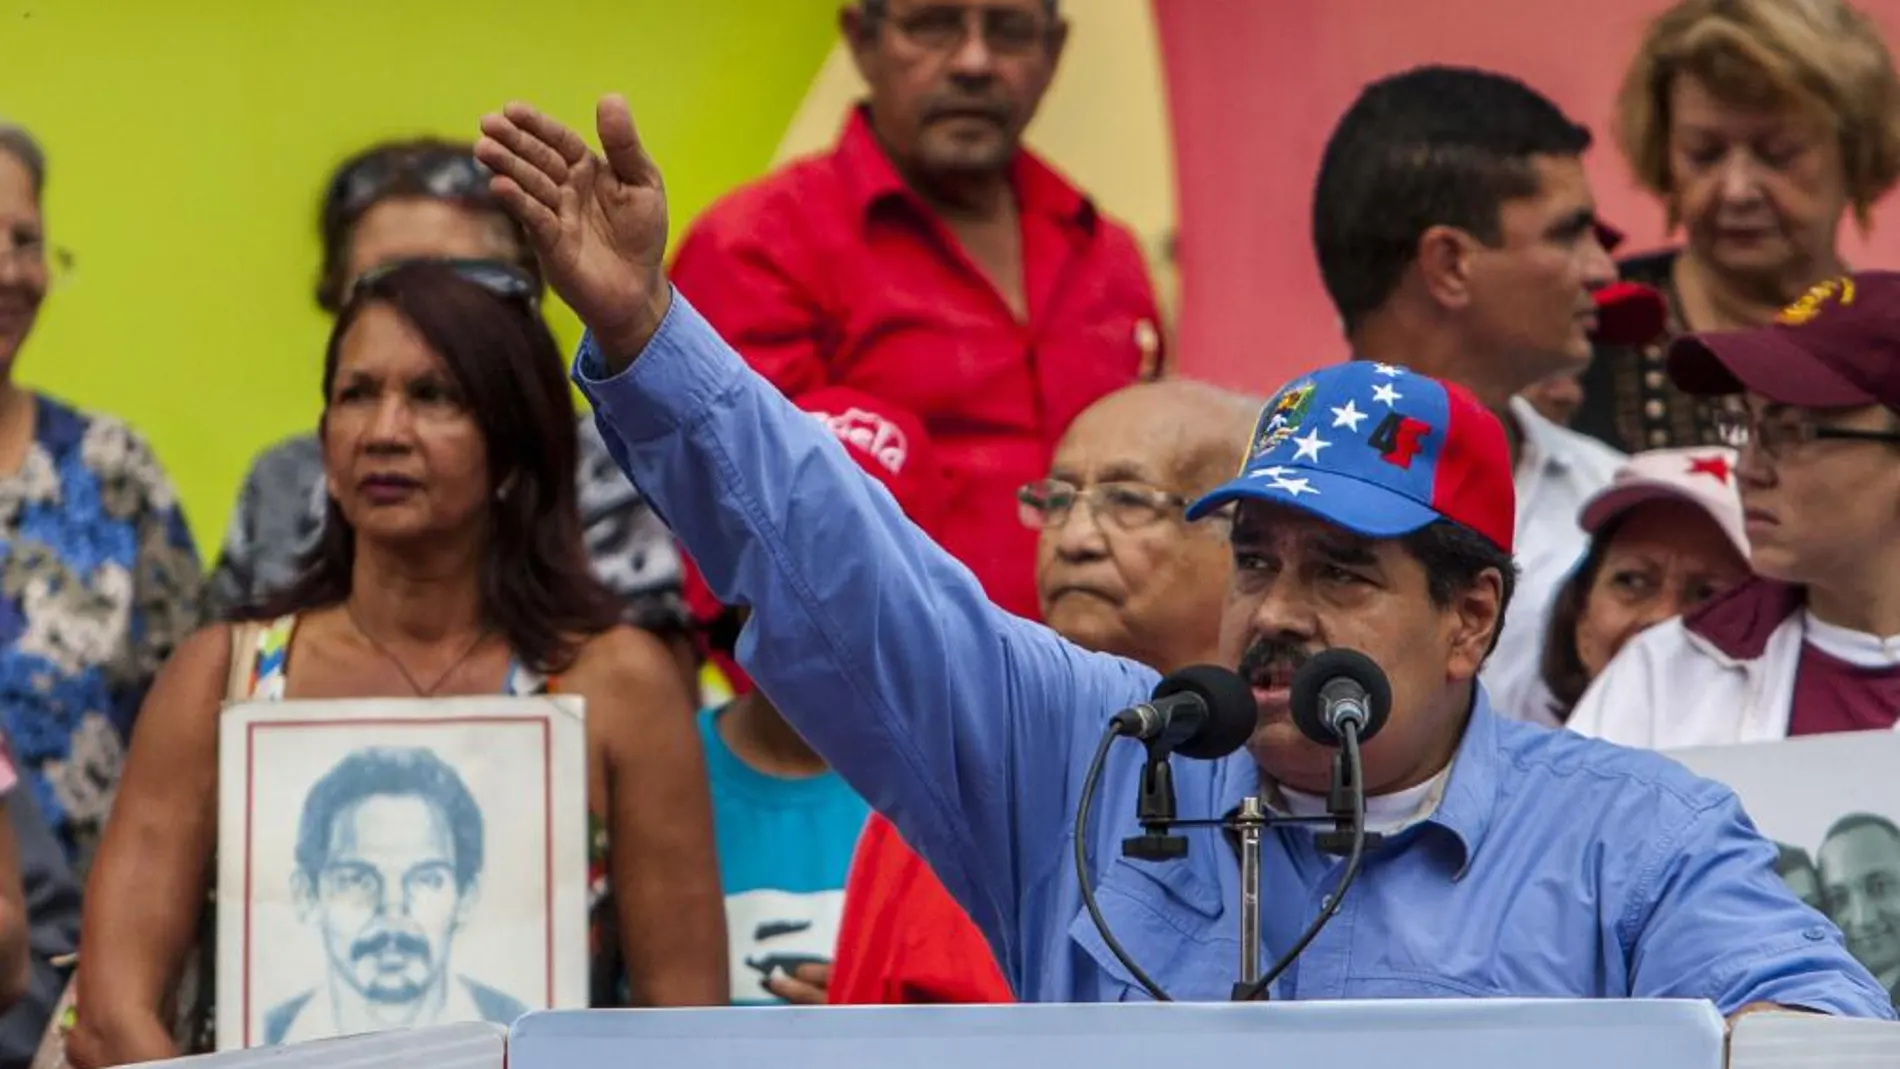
1118,569
930,261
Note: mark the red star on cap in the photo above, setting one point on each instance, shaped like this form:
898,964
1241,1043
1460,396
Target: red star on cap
1715,467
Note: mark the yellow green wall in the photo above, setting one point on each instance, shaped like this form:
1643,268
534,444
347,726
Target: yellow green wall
189,141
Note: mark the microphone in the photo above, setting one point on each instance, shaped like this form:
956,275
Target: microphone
1203,711
1338,688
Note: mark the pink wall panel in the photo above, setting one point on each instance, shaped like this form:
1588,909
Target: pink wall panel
1256,85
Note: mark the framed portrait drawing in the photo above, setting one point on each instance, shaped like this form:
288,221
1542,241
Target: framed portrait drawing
1831,803
398,863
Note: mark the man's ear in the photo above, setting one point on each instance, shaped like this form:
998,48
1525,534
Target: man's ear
1445,255
1058,40
1476,614
303,894
860,36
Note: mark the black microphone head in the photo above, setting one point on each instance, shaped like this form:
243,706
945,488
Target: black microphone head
1339,664
1231,711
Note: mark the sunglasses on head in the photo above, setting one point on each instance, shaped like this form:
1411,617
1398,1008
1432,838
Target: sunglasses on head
441,173
498,277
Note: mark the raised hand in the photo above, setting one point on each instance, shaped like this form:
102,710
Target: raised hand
598,222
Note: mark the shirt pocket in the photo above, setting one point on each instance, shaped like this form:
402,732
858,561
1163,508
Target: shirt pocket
1176,943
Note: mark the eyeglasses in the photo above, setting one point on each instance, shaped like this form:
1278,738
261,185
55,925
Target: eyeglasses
441,173
945,27
33,252
496,276
1739,427
1128,506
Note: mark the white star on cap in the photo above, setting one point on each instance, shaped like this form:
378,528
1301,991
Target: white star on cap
1272,473
1296,487
1309,446
1348,417
1385,394
1388,370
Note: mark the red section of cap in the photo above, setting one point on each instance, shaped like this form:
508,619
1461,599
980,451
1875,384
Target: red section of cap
1630,314
1473,485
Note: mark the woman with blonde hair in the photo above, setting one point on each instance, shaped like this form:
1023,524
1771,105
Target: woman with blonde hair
1759,124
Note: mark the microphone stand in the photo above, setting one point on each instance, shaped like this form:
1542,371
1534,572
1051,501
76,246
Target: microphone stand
1155,811
1249,823
1347,805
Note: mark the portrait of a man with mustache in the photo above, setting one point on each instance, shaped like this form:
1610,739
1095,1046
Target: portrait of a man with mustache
389,853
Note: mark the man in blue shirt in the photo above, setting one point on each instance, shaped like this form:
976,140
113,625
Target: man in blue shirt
1374,511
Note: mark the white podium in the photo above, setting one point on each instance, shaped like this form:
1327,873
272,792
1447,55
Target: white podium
1447,1034
1803,1041
448,1046
1430,1034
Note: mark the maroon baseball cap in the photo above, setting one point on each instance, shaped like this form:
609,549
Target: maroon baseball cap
1836,347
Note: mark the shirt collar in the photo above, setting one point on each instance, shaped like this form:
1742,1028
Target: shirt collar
1470,793
1543,442
874,179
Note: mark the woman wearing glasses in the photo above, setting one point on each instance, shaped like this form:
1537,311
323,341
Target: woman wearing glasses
450,563
98,577
1813,646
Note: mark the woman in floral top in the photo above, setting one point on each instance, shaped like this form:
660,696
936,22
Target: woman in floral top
98,578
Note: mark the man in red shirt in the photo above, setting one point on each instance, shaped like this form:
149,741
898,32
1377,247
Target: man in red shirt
931,261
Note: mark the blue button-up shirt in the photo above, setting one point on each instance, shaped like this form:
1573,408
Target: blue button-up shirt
1553,865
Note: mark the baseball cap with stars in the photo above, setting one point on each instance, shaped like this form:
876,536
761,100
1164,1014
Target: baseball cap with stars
1378,450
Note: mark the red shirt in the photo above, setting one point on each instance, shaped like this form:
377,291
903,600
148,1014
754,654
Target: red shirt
1830,693
903,939
831,271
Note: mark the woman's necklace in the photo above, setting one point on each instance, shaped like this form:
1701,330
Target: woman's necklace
350,611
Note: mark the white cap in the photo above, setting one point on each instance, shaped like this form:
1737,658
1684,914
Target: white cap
1704,476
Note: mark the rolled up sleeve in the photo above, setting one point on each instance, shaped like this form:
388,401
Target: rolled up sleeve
1713,921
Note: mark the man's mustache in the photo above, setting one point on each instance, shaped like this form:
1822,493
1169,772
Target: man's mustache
994,110
1265,654
405,943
